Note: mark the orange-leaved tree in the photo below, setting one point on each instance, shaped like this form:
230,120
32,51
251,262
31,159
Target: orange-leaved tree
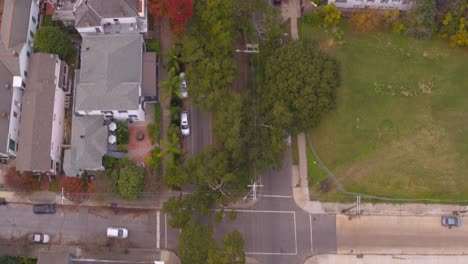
178,12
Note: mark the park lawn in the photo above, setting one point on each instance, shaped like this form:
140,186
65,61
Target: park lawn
400,126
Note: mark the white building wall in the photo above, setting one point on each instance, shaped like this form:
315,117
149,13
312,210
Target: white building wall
27,47
135,115
15,116
59,113
87,30
378,4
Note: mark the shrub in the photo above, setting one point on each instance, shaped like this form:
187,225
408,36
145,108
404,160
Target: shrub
154,129
128,179
51,39
365,20
122,133
313,18
153,46
154,161
331,15
108,162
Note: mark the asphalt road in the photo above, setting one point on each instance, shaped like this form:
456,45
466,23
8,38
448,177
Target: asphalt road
83,226
275,230
400,235
200,132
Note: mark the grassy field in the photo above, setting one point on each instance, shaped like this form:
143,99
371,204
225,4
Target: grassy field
400,127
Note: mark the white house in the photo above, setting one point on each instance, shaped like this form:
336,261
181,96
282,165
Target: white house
19,24
110,77
42,122
379,4
104,16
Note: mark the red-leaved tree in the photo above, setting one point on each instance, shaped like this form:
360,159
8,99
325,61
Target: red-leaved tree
178,12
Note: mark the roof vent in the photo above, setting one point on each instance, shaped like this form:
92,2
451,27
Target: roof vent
87,48
8,87
82,136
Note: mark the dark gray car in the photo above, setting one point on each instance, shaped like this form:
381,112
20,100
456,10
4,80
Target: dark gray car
44,209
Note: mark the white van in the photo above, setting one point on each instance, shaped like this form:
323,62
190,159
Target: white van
117,232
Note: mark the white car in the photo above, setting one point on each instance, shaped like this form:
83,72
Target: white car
183,85
117,232
184,123
40,238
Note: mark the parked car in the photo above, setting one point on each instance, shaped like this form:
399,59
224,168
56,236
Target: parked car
40,238
184,123
117,232
3,201
183,85
44,209
277,2
451,220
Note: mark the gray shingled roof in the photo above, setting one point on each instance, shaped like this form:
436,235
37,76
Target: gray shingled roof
90,14
15,22
149,74
6,95
37,115
110,75
88,145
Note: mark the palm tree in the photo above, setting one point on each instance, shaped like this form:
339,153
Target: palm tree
172,85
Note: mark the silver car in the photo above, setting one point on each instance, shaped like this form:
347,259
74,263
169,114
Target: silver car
451,220
184,123
183,85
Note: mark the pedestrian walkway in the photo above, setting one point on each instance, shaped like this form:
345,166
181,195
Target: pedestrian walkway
386,259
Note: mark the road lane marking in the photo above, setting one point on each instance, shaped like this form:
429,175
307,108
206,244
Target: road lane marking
256,211
271,253
275,196
109,261
165,230
295,231
158,230
311,241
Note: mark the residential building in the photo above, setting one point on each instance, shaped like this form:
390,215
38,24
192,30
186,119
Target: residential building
42,122
379,4
100,17
110,77
19,23
88,145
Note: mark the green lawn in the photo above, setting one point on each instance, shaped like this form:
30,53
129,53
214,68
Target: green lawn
400,127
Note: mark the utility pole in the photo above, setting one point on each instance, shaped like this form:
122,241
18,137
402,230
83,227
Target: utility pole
249,48
254,187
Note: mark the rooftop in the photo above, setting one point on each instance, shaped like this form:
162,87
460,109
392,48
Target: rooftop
111,73
37,114
6,94
88,145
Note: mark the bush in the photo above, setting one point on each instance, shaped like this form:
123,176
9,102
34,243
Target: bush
331,15
365,20
51,39
122,148
128,179
108,162
313,18
153,46
122,133
154,129
154,161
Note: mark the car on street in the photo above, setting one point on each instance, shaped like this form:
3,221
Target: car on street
44,209
451,220
117,232
40,238
184,123
183,85
277,2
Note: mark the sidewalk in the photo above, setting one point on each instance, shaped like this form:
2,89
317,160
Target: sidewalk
386,259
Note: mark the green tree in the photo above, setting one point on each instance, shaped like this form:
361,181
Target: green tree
331,15
301,83
232,252
195,242
51,39
180,213
130,179
421,19
172,85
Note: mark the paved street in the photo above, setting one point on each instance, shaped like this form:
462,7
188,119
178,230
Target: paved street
276,230
83,226
399,235
200,129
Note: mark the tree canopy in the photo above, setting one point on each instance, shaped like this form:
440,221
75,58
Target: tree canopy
195,242
300,86
421,19
129,179
51,39
178,12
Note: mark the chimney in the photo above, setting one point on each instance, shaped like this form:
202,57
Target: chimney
8,87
